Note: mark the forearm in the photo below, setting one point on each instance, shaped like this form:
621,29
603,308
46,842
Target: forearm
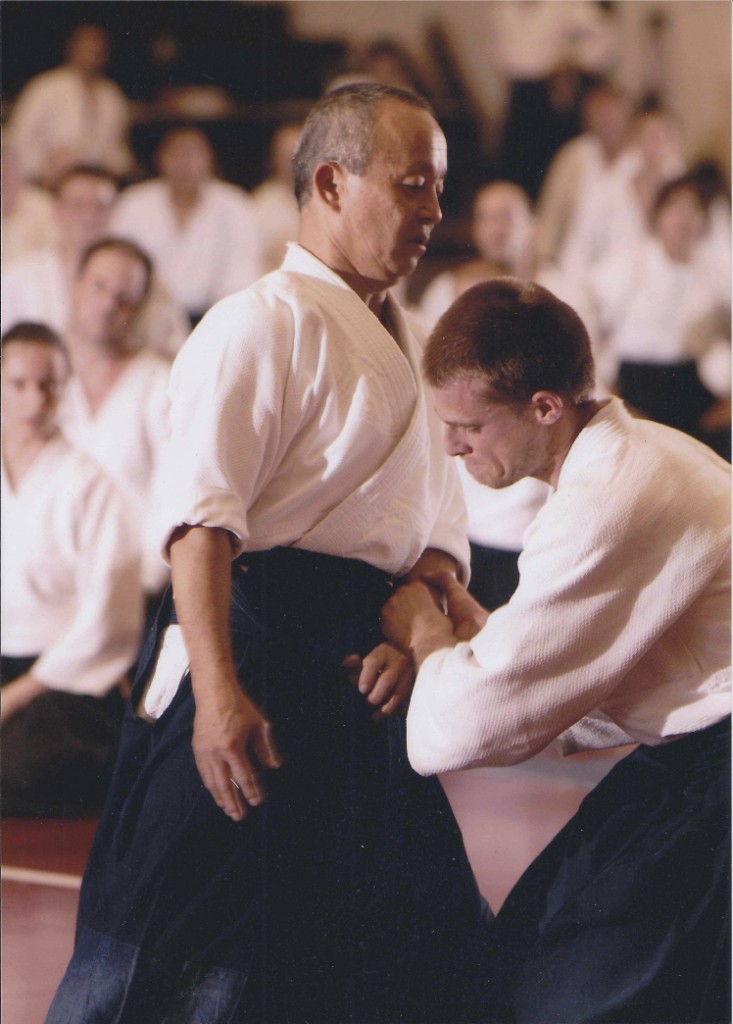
19,694
201,573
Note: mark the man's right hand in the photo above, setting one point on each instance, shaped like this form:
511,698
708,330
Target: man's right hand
232,744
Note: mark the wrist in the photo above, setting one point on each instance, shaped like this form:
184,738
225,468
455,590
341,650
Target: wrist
427,638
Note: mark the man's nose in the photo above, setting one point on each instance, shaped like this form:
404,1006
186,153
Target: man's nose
453,443
431,210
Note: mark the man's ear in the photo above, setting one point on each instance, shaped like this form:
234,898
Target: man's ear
327,183
548,407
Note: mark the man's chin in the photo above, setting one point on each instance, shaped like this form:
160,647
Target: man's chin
487,479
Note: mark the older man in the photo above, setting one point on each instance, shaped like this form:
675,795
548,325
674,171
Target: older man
303,452
618,632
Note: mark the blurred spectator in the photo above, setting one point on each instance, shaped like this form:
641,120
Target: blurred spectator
72,114
547,53
115,405
201,231
274,200
502,233
575,209
27,211
656,140
384,61
72,609
38,287
660,308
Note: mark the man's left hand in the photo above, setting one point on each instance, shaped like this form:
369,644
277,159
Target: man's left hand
385,677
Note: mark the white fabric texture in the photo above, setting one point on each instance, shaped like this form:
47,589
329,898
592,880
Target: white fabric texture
70,573
55,111
216,253
126,436
298,420
623,608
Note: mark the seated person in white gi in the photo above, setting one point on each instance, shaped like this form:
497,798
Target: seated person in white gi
72,113
620,625
201,231
38,286
662,305
115,405
71,609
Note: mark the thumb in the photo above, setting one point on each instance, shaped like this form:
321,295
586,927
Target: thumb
264,747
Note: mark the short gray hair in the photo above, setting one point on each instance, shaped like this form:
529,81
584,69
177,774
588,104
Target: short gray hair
340,128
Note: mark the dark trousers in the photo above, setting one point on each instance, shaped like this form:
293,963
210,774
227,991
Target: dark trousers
494,575
625,917
347,897
58,753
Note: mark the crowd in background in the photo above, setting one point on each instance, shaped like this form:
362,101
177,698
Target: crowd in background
106,268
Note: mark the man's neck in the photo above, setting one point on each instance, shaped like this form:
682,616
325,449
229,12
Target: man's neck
372,293
572,424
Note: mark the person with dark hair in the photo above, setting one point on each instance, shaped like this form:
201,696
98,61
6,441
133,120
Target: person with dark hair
201,231
71,611
115,406
38,287
618,633
266,853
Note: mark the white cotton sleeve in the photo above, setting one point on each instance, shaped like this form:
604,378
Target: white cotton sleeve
227,393
101,641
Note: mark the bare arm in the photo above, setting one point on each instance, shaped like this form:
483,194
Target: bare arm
231,738
19,694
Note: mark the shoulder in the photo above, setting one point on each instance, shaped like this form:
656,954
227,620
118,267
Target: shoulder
34,264
249,324
46,83
142,193
630,478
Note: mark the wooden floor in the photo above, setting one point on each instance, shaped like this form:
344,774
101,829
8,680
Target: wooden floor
507,816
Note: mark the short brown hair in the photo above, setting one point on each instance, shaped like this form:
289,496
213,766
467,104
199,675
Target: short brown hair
518,337
33,332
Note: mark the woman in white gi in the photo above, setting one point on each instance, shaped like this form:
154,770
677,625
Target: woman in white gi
71,610
618,632
661,306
